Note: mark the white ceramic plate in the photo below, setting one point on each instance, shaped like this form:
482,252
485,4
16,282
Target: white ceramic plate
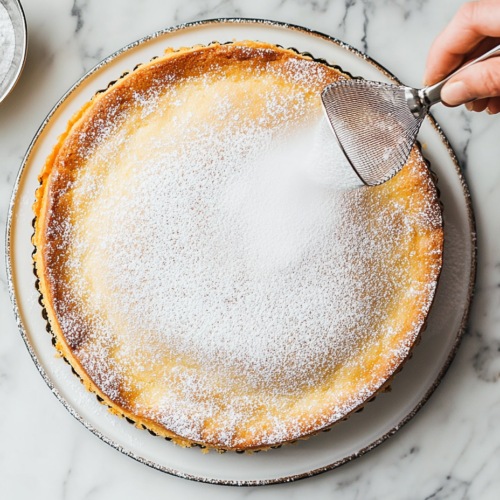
348,440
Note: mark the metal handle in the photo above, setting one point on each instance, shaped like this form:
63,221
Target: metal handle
432,94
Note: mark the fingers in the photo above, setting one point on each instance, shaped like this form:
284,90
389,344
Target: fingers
477,82
474,22
483,47
478,106
493,105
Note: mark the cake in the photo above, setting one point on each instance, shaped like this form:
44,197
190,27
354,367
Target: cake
195,277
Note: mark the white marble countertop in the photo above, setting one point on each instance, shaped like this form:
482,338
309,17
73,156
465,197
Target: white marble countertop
450,450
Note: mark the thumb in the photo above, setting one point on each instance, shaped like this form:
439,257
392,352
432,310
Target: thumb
477,82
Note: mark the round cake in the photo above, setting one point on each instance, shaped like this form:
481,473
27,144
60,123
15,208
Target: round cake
197,275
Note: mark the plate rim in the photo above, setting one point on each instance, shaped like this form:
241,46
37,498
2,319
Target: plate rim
174,472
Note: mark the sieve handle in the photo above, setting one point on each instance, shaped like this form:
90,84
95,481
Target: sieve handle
432,94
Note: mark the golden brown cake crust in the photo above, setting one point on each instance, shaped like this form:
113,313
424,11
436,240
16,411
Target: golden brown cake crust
55,207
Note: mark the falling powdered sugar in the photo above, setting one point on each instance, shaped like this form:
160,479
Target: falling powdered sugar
326,162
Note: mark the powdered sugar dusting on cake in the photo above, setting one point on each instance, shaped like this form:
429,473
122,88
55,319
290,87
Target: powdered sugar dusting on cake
214,283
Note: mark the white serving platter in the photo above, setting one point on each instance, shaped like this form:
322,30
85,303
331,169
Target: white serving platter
346,441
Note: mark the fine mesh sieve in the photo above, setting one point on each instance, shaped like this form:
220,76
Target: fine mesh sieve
377,123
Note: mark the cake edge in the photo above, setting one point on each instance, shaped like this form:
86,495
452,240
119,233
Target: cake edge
49,315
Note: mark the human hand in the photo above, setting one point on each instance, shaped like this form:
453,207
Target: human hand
474,30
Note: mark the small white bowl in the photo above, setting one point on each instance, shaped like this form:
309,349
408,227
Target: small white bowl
18,19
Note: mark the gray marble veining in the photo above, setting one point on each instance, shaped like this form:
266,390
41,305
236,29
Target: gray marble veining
450,451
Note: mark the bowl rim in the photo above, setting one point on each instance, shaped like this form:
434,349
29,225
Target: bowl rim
21,31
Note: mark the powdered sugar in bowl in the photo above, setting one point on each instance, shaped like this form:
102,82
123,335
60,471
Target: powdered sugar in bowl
13,45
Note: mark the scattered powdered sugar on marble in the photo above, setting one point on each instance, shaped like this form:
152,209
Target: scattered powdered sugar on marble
228,278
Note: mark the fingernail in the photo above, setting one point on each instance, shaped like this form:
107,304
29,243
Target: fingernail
456,93
469,106
488,110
